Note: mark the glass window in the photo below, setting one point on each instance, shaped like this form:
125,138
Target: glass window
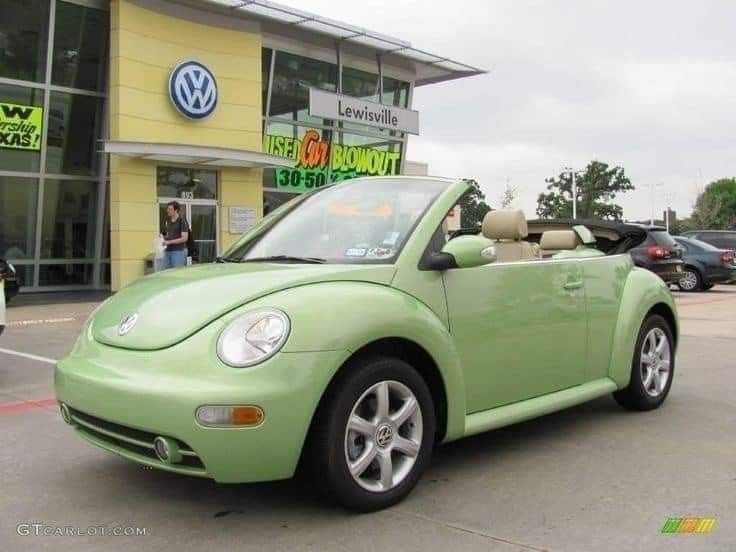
309,147
65,274
24,274
17,217
360,84
72,134
395,92
354,155
273,200
20,150
23,37
266,54
293,75
355,222
186,183
68,219
79,46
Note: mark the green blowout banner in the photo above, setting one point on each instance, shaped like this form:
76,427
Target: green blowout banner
319,163
20,126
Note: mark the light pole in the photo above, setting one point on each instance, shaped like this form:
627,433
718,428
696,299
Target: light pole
651,201
574,193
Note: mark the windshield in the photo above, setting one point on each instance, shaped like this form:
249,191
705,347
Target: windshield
356,221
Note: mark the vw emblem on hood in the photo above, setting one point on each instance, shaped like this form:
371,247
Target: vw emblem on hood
193,89
127,323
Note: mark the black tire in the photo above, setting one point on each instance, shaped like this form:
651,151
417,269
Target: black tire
635,397
328,439
698,280
706,287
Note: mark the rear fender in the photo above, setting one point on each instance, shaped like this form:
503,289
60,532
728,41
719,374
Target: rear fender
642,291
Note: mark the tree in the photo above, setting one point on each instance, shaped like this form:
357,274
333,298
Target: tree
597,187
509,195
473,206
715,208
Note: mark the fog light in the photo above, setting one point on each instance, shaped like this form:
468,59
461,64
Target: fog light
229,416
166,450
66,414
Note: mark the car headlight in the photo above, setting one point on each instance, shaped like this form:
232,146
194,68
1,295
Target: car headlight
253,337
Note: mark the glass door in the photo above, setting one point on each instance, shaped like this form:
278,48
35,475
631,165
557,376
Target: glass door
202,219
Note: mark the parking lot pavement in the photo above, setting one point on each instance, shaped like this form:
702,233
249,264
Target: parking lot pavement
590,478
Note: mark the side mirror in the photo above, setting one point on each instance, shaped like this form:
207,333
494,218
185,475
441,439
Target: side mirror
465,252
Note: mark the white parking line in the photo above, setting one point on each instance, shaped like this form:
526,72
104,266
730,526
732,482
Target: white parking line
42,321
28,355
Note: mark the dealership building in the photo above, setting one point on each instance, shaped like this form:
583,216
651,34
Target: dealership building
111,109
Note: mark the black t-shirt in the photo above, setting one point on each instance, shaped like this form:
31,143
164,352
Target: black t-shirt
174,231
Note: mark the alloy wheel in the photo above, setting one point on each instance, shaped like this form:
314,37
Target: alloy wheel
688,281
655,362
383,436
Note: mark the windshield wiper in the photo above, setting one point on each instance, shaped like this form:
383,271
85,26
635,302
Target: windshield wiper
286,258
227,260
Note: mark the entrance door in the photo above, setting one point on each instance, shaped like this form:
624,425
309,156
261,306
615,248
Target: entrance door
202,219
196,192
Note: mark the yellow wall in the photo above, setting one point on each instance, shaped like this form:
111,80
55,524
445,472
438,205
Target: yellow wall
145,45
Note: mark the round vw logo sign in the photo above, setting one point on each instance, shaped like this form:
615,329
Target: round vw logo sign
193,89
127,323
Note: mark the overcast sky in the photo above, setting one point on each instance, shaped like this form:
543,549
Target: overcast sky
647,85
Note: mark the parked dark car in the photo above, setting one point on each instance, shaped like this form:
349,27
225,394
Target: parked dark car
650,247
722,239
705,265
7,273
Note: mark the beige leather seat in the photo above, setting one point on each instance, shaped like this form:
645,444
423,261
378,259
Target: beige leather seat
507,227
554,241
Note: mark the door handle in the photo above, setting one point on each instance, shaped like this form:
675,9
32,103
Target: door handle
573,285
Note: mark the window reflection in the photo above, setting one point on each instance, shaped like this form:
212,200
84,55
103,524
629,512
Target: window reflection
68,219
79,46
360,84
186,183
23,37
293,75
72,134
17,217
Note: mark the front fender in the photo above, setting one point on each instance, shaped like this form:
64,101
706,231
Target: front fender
346,316
642,291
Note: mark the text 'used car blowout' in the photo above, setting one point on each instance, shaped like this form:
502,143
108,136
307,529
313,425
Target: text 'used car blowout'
358,349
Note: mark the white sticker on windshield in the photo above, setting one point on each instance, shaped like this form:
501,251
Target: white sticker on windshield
355,252
379,252
391,238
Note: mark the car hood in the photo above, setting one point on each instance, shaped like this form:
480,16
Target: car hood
171,305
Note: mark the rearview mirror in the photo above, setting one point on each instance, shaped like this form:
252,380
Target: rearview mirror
469,251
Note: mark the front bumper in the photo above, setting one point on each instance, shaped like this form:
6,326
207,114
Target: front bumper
121,399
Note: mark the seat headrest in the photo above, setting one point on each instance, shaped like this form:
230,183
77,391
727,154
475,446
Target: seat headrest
556,240
505,224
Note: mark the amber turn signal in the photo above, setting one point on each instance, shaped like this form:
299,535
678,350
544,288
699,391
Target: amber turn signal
229,416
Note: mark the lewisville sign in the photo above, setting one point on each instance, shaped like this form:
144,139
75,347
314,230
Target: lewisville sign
354,110
318,162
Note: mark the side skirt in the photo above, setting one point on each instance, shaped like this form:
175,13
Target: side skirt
501,416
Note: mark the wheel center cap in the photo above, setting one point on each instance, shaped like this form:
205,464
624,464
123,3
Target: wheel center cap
384,435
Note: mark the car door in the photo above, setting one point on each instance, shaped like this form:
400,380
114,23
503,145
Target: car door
519,328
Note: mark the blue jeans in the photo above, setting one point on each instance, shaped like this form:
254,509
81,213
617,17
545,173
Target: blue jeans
174,259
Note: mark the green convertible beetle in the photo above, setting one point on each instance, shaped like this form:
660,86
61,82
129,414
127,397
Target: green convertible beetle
347,330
